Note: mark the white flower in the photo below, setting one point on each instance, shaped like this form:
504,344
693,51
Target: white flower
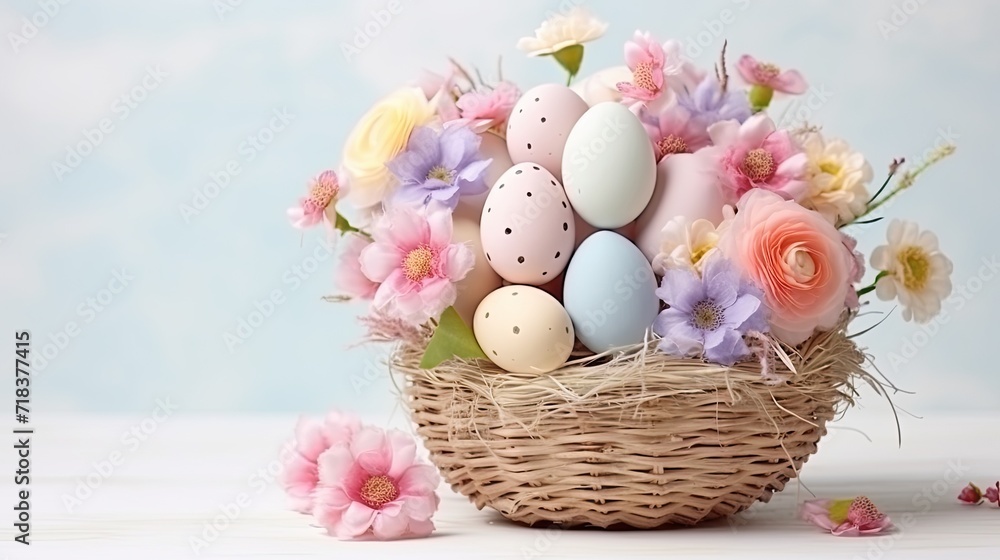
686,244
915,271
838,179
576,27
602,86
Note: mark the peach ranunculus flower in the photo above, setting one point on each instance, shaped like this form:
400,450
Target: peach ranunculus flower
378,137
796,257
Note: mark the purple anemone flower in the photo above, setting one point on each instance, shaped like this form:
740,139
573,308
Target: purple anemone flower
440,166
708,104
708,316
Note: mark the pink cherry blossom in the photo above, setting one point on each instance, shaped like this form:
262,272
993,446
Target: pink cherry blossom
755,155
483,111
312,208
348,277
767,75
672,131
993,494
375,488
416,263
846,518
312,438
649,62
971,494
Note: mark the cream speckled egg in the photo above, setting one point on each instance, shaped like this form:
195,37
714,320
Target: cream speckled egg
482,279
540,124
524,330
527,226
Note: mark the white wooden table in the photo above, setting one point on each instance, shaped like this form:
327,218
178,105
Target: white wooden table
167,490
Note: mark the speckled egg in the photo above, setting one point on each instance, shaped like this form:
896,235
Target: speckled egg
610,292
492,147
482,279
524,330
608,167
540,124
686,185
527,226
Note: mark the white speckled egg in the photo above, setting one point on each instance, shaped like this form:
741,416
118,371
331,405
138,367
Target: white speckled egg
540,124
609,169
524,330
482,279
610,292
686,185
527,226
495,148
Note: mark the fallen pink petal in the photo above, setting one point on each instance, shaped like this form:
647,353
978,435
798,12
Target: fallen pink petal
852,517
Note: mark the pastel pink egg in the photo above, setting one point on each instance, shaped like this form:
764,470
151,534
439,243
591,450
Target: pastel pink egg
540,124
686,185
527,226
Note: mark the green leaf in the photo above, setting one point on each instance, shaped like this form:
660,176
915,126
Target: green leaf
570,58
452,339
342,224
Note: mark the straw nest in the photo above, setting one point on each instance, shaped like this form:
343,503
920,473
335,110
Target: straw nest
636,438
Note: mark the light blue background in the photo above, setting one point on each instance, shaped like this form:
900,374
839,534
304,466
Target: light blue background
892,89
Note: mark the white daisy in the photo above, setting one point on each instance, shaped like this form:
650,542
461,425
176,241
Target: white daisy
575,27
685,244
914,270
838,179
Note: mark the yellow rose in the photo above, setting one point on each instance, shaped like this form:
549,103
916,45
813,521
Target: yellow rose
380,135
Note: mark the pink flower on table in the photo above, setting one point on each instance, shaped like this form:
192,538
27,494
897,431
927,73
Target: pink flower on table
993,494
312,438
483,111
416,263
971,494
767,75
375,487
846,518
347,276
672,131
756,155
649,62
312,209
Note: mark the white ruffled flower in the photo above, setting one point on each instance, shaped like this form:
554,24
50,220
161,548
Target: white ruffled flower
685,244
838,179
914,270
575,27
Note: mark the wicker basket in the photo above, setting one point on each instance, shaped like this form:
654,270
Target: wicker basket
638,439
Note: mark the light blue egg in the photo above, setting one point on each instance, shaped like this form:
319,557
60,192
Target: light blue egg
610,292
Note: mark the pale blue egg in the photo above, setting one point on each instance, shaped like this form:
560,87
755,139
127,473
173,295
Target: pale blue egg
610,292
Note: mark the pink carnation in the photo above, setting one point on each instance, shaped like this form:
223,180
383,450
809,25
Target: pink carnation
483,111
348,277
758,156
312,438
374,487
767,75
415,262
798,259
